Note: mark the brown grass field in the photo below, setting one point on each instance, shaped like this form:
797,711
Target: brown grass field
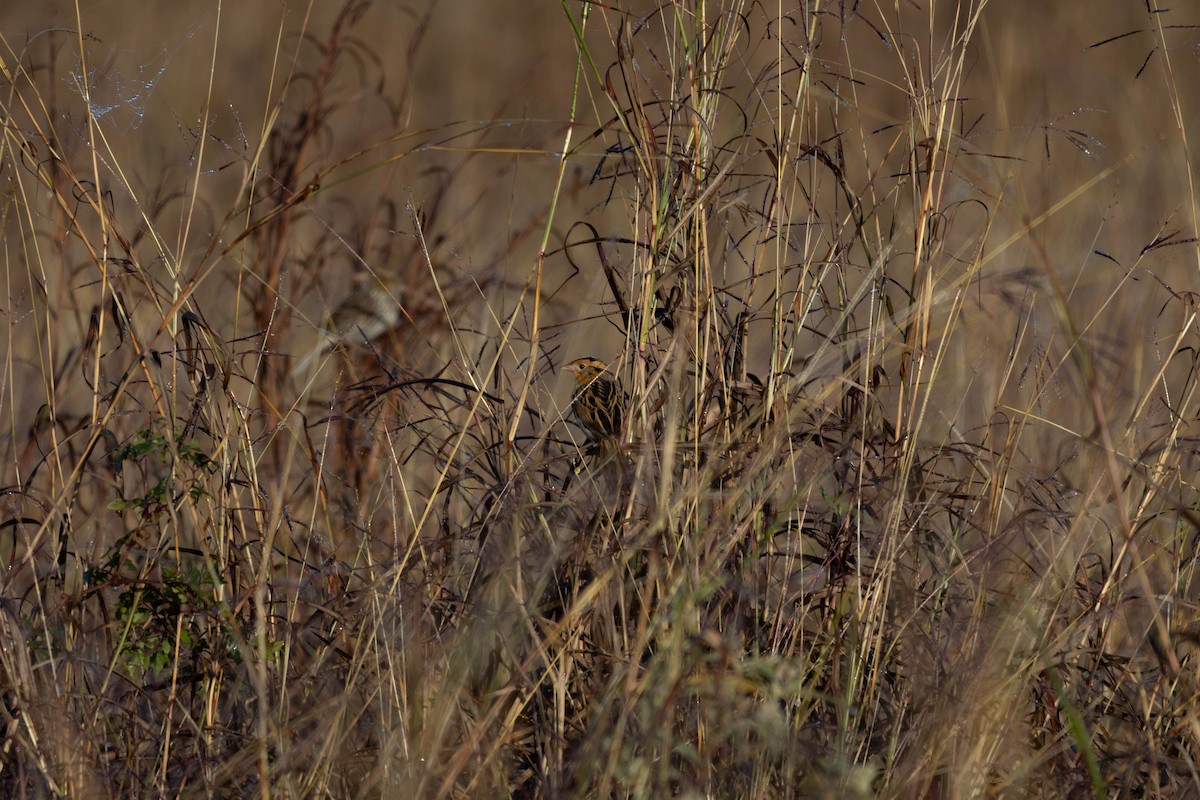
902,300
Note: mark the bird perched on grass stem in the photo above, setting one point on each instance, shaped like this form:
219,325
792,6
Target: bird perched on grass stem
598,401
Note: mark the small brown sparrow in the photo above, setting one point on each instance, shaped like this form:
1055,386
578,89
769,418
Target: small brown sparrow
598,401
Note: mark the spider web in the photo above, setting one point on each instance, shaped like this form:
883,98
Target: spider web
120,96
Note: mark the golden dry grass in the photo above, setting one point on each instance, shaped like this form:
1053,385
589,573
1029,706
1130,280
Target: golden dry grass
901,298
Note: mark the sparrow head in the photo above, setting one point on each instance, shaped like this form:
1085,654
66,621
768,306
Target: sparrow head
586,370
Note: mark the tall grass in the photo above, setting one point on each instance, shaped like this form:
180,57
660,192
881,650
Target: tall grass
904,506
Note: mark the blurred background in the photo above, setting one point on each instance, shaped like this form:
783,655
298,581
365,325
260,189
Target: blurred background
1073,144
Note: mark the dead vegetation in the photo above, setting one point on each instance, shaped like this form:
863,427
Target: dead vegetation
903,506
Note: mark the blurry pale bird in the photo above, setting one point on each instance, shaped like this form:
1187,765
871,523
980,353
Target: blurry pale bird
369,312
